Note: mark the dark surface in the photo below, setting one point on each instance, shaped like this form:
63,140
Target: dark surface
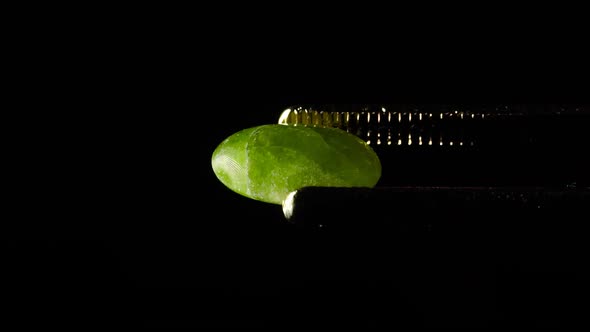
161,243
116,218
119,219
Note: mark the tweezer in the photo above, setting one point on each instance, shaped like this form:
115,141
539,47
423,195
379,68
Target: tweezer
524,158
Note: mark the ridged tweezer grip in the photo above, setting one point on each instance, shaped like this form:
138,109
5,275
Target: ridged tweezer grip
393,125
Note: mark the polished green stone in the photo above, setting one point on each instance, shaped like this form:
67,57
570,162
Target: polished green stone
267,162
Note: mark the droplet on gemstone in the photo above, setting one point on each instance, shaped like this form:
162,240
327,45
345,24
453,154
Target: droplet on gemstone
268,162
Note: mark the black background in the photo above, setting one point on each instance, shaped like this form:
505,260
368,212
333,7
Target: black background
122,221
160,242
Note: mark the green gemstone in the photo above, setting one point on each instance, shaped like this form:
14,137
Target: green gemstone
268,162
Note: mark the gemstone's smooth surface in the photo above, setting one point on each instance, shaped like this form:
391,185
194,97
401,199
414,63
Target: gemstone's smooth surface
268,162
